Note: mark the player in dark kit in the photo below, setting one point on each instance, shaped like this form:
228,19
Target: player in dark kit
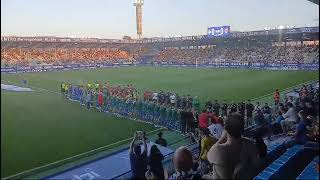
208,105
233,107
241,108
216,107
224,108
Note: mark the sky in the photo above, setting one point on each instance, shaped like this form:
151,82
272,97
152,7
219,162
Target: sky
113,19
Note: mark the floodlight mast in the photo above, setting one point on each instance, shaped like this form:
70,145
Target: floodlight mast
138,4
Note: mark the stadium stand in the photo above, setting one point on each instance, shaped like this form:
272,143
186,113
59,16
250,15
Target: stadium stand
297,45
279,160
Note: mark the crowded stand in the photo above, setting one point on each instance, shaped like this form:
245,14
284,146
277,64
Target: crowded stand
232,140
22,56
255,54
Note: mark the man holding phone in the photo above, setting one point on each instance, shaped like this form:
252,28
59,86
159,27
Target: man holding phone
138,160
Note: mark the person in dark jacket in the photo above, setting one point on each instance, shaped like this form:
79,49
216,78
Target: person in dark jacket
155,167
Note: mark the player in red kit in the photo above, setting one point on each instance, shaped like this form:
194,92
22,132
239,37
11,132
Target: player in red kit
100,99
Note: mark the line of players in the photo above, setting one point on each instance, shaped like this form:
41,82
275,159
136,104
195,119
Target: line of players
161,109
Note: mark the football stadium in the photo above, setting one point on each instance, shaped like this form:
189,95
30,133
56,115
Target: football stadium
227,104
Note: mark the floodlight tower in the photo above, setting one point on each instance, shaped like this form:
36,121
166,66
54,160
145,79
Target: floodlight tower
138,4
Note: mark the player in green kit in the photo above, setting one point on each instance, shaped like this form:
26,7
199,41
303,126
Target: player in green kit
105,99
168,116
144,110
95,98
174,118
96,85
138,108
163,111
156,112
111,107
151,111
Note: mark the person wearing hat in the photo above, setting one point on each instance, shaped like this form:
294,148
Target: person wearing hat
233,156
160,140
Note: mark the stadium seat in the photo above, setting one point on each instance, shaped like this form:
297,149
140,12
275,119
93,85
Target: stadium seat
279,167
310,172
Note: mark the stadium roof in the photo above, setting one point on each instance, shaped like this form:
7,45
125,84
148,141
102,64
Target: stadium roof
314,1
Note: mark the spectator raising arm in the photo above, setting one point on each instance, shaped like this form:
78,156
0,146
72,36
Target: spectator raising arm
145,150
132,143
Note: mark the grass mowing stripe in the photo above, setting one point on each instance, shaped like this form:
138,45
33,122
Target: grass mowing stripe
72,158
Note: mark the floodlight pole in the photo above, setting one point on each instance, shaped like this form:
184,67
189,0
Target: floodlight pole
138,4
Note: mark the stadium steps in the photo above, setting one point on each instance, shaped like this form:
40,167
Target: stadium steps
288,165
310,172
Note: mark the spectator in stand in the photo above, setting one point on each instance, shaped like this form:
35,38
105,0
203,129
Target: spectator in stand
183,164
161,141
261,146
203,119
155,167
259,119
266,111
206,142
138,160
276,97
310,109
216,129
300,134
233,157
290,118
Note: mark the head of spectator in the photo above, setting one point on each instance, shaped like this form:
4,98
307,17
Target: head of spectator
137,150
155,167
233,156
261,146
289,105
204,119
183,164
234,125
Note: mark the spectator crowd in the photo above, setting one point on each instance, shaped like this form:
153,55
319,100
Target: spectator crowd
233,154
254,54
25,56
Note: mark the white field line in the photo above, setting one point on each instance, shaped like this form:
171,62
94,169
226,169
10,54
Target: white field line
88,152
32,87
286,89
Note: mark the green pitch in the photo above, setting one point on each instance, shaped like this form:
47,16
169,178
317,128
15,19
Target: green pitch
41,127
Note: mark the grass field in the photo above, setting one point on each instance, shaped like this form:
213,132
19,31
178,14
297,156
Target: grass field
41,127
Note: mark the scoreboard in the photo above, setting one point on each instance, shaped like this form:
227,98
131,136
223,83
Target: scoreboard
218,31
